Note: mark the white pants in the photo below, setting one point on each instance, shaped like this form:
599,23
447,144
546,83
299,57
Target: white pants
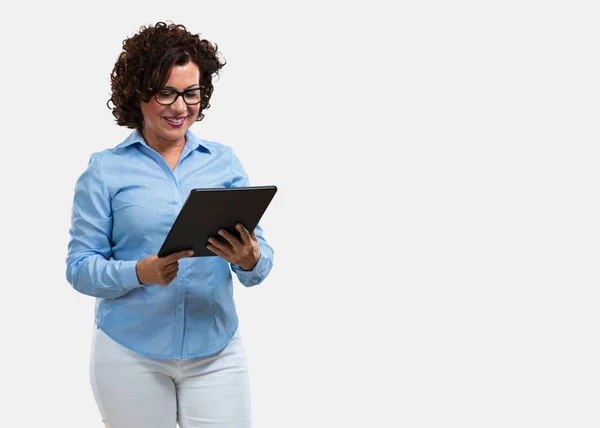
135,391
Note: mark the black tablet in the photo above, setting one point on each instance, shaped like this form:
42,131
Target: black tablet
205,211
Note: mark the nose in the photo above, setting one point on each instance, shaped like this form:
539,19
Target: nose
179,105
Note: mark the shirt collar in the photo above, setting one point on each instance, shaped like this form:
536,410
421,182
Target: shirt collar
191,141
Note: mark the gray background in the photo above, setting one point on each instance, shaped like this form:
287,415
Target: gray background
436,226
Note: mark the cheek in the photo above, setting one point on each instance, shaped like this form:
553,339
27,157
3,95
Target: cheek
152,110
157,111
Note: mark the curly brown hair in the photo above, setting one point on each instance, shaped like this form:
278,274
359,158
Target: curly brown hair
142,69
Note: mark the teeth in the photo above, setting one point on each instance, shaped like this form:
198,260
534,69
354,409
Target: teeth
174,120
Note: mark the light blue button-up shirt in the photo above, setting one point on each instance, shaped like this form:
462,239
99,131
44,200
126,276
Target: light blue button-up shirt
124,205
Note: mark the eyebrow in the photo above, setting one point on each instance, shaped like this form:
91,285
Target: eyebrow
189,87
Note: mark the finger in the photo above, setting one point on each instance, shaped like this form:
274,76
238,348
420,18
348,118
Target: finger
224,248
170,279
171,270
233,241
244,234
217,251
171,266
171,258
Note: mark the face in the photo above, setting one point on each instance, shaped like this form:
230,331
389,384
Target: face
168,124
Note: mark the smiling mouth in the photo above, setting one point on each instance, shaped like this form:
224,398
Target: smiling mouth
175,120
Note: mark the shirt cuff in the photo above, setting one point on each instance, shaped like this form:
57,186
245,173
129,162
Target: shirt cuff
129,279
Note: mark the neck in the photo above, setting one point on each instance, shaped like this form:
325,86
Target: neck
161,145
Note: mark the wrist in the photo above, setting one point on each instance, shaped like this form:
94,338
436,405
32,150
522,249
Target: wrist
247,268
250,267
137,272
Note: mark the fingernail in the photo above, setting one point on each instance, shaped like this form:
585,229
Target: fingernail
191,253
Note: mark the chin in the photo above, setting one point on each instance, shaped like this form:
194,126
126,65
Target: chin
176,131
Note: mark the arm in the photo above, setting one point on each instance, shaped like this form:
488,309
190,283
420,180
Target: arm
89,268
265,262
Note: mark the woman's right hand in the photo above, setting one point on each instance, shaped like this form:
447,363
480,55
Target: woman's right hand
163,270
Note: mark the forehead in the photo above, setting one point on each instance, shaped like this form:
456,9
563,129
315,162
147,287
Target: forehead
182,76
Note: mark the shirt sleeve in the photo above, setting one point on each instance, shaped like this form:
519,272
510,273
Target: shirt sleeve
265,262
90,269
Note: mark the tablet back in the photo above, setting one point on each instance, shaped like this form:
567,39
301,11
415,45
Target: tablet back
207,210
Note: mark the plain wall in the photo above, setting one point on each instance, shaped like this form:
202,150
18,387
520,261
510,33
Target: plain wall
436,226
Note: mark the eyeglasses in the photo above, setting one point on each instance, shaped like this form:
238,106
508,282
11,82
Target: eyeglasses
166,97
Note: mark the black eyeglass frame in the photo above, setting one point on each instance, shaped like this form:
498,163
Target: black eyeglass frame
179,94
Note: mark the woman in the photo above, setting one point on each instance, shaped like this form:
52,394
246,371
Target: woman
166,348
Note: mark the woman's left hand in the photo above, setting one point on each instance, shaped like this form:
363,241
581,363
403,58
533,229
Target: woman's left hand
244,253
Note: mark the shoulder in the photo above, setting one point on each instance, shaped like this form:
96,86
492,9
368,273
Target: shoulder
127,146
219,150
105,161
119,153
98,159
214,147
95,160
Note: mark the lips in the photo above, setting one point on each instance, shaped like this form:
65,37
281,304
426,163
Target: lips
175,121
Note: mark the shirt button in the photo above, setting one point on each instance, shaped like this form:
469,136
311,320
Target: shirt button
180,305
180,278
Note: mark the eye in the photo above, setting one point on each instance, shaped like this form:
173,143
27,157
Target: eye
165,93
193,93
